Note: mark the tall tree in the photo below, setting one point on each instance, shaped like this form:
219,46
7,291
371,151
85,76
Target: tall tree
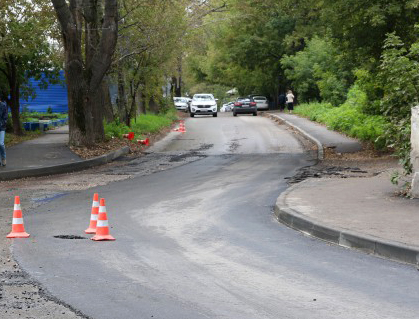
24,49
89,30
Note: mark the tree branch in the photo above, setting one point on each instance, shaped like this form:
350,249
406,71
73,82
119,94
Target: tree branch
63,13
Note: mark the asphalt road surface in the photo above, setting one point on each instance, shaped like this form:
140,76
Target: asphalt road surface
200,240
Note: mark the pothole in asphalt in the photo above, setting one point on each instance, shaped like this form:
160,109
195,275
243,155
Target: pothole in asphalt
69,237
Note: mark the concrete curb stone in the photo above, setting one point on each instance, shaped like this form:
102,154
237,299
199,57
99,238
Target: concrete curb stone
343,237
64,168
320,152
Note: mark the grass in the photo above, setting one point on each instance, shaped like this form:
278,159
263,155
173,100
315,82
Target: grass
36,116
141,125
12,139
347,119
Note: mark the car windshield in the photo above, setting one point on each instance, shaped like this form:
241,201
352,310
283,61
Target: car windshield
203,97
179,99
259,98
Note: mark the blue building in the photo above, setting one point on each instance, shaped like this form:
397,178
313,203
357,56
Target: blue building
54,97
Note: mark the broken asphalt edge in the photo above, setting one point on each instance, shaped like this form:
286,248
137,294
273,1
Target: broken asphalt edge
346,238
64,168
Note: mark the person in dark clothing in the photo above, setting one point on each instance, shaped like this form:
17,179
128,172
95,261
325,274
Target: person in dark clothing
3,121
282,100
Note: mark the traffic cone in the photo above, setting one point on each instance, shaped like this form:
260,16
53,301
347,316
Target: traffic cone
182,128
129,136
145,142
93,215
102,227
18,230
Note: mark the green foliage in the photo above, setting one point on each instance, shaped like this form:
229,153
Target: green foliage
399,74
397,137
27,116
141,125
241,55
400,77
370,86
115,129
316,72
346,119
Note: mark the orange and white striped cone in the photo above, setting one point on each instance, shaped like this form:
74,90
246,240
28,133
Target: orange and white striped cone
93,215
102,226
18,230
145,142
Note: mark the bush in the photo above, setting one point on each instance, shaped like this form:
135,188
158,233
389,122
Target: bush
347,119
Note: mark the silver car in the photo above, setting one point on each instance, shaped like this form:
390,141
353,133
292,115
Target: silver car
181,103
261,102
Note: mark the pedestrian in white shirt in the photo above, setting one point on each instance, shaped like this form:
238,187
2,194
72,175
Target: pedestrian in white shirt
290,101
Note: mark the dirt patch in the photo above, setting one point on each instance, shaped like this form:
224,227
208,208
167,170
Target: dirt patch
366,163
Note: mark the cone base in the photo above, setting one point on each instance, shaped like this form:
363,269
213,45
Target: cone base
90,231
18,235
102,237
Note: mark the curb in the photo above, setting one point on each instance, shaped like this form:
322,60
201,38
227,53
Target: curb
342,237
320,152
64,168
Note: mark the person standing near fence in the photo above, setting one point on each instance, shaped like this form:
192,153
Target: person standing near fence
290,101
3,121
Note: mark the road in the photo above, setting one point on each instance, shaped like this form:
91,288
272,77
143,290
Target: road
200,240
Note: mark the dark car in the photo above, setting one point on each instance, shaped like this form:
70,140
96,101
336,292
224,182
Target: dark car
245,105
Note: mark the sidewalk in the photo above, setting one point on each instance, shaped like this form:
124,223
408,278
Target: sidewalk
47,155
361,213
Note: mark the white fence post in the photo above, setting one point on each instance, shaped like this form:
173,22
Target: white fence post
414,154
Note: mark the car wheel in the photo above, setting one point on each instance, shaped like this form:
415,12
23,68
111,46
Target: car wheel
192,114
214,114
234,114
255,114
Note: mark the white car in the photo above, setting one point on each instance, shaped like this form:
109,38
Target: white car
203,104
261,102
181,103
227,107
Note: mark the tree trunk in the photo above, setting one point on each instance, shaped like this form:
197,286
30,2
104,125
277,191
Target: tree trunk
179,79
154,107
85,72
141,103
14,87
107,104
122,101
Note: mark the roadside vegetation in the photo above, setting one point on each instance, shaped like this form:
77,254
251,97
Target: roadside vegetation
141,126
36,116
